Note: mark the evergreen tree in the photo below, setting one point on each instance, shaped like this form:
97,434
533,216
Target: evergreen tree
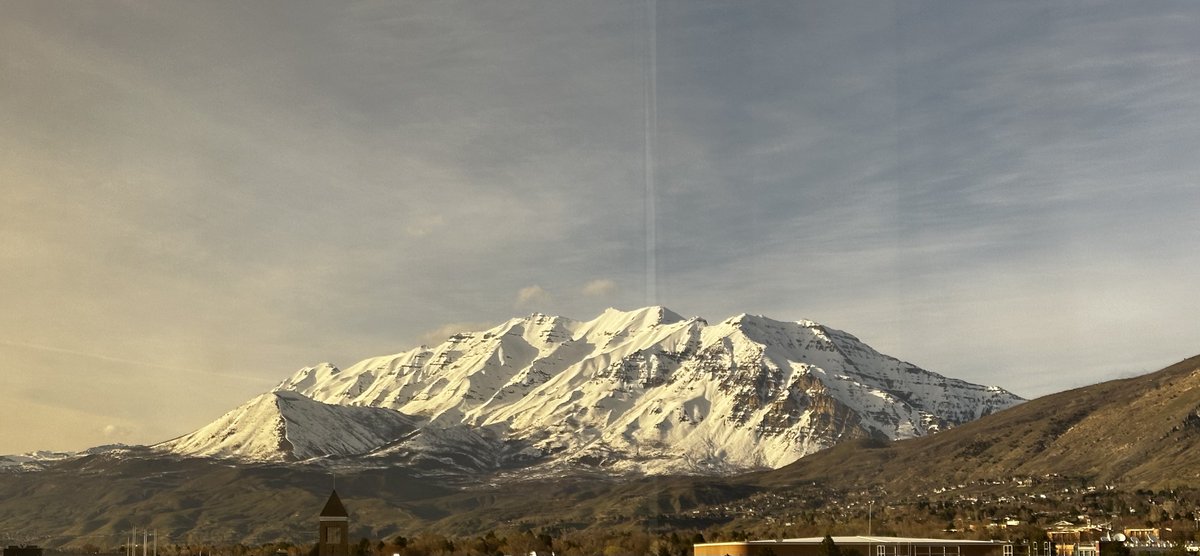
829,548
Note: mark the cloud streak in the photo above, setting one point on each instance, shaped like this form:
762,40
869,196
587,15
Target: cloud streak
599,288
532,296
146,364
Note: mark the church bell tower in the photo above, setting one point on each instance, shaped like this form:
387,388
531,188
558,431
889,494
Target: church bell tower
334,537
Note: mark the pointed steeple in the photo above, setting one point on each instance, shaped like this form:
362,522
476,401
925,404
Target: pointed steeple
334,534
334,507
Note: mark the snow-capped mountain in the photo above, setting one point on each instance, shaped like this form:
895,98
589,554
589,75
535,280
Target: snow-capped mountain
283,425
637,391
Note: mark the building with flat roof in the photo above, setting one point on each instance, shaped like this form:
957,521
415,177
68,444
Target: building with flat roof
860,545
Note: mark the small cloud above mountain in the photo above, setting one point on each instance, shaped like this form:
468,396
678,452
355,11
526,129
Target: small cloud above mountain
532,295
599,287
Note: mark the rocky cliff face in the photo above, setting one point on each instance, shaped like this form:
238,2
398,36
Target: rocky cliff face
642,391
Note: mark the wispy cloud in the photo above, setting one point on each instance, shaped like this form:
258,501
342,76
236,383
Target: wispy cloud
599,287
146,364
534,295
421,226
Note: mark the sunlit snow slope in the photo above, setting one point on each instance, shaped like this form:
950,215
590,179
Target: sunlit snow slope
280,426
638,391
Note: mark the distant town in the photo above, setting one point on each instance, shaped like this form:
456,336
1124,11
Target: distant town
1019,516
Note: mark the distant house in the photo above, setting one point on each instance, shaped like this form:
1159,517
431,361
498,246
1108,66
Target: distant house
864,546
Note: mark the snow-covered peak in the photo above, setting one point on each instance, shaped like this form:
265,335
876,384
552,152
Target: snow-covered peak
614,322
284,425
645,316
643,390
308,376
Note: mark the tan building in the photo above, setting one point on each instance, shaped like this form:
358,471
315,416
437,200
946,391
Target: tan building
858,545
1075,540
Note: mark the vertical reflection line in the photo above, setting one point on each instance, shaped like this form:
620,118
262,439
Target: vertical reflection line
651,138
651,135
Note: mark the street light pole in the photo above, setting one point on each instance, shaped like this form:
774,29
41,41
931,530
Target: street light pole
870,510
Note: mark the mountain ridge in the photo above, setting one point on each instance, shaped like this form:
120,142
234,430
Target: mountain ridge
641,391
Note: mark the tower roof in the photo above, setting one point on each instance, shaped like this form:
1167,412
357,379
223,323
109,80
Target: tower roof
334,507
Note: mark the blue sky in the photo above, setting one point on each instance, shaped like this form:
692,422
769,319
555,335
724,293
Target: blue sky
201,198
